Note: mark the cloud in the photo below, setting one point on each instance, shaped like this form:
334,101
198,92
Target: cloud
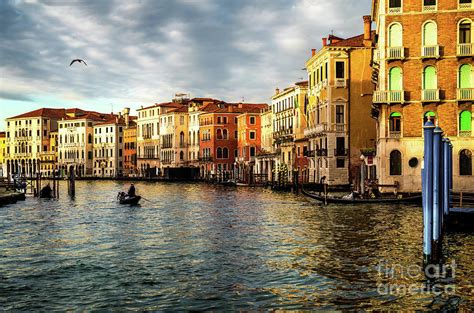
144,51
14,96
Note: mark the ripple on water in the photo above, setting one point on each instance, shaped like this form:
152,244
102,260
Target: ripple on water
201,247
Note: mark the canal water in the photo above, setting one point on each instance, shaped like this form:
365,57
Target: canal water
202,247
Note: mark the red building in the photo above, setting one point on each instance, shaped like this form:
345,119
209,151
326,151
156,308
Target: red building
248,146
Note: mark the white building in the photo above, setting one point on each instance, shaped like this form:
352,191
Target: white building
108,148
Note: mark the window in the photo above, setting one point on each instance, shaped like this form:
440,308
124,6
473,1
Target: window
219,133
181,155
252,120
465,75
218,120
430,33
252,151
394,4
395,123
340,146
395,79
429,78
465,4
340,163
465,32
219,153
181,139
181,120
429,2
89,138
225,153
252,135
339,69
465,162
465,121
224,134
395,35
339,114
395,163
429,116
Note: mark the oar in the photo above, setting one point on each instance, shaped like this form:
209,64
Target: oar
148,200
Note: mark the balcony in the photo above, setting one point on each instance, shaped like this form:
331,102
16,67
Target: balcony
389,96
322,152
464,49
314,131
340,128
430,8
205,159
430,52
465,6
395,10
340,83
465,94
465,133
395,134
395,53
283,133
341,152
430,95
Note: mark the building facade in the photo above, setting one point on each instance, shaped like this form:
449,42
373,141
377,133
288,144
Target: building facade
148,141
248,145
108,148
49,164
266,158
27,136
174,136
423,69
339,123
3,151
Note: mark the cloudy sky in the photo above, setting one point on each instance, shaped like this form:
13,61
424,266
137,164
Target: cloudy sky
143,51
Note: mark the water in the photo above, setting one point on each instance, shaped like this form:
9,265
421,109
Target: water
198,247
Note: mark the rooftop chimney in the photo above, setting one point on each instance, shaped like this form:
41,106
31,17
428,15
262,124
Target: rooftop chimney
367,30
126,114
313,52
277,90
325,42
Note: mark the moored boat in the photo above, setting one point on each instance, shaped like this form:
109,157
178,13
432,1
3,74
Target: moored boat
401,198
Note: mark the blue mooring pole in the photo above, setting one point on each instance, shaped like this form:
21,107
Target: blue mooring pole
446,150
427,188
436,190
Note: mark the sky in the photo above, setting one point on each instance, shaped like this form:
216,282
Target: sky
140,52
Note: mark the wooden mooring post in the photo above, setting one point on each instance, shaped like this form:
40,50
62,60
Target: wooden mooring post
71,184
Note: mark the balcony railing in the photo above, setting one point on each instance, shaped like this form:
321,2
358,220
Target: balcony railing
389,96
340,83
465,133
430,95
395,134
430,51
322,152
465,6
430,8
341,152
465,94
340,128
395,10
205,159
318,129
465,49
395,53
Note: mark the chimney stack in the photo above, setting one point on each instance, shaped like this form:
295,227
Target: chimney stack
313,52
367,30
277,91
325,42
126,114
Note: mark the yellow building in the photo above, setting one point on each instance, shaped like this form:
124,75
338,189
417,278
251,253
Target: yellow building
266,158
339,121
3,146
49,159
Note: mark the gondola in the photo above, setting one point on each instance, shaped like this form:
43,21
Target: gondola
125,199
332,199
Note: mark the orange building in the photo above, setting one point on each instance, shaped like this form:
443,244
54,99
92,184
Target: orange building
218,145
248,145
130,149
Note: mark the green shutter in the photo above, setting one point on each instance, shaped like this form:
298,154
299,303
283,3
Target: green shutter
395,114
429,78
465,76
430,34
395,79
465,121
395,36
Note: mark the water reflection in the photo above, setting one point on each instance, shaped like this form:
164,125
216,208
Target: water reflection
194,246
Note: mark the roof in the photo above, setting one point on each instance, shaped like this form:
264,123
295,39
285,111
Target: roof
43,112
356,41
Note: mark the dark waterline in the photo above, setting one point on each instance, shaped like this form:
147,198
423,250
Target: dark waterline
197,247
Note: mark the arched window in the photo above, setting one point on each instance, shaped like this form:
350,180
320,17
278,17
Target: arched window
181,139
429,78
225,153
430,115
430,34
395,163
395,79
465,162
219,133
181,155
224,134
395,35
395,123
465,122
219,153
465,76
465,32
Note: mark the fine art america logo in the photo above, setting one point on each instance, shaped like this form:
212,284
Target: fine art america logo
414,279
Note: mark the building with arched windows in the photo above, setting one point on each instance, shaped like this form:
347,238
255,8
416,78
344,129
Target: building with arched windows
423,70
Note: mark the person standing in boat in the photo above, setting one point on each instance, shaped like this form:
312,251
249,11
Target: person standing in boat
131,191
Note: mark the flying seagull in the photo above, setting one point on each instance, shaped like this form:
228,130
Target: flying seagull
78,60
